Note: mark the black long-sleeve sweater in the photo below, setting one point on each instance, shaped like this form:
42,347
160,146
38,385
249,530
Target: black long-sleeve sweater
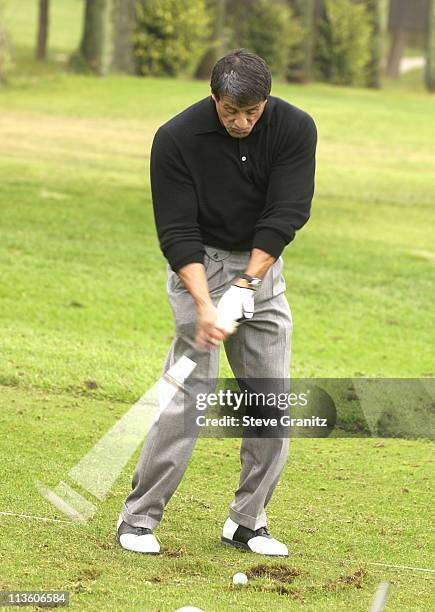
235,194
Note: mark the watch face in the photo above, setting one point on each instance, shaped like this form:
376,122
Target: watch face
255,282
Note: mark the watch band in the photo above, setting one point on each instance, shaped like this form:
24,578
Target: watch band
254,282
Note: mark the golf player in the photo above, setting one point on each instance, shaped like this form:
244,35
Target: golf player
232,180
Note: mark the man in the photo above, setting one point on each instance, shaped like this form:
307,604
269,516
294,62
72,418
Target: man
232,179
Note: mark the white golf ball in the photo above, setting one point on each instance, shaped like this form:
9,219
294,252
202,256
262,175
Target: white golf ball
189,609
240,578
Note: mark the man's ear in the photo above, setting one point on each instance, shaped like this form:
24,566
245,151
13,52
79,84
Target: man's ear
214,98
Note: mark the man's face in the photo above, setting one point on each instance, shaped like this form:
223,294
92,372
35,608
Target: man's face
238,120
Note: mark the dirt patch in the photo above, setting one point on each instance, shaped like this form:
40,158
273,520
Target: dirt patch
354,580
174,552
89,573
279,589
90,384
281,572
157,579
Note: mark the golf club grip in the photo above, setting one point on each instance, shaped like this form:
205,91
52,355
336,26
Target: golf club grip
193,351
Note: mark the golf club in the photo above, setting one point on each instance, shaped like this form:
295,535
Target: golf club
100,467
380,597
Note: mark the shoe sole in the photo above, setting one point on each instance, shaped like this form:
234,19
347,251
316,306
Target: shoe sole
245,547
234,544
139,552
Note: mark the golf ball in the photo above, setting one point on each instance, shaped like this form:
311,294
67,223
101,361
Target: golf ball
240,578
189,609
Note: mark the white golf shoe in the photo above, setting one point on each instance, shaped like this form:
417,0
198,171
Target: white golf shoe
137,539
259,541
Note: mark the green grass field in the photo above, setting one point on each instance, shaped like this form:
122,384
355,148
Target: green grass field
85,326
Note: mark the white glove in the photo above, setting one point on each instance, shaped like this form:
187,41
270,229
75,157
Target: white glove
237,303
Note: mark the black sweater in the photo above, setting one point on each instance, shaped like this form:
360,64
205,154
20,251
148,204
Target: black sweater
234,194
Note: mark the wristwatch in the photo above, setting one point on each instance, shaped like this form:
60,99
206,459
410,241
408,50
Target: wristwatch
254,282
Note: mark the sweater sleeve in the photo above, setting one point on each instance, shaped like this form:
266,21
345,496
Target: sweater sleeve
175,204
290,190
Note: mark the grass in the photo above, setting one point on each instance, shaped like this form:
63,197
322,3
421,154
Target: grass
341,505
85,326
82,265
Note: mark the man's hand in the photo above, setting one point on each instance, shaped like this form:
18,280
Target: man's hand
208,335
237,303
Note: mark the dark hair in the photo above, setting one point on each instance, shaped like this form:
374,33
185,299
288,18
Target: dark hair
242,75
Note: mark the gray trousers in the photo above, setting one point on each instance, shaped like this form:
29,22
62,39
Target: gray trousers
259,349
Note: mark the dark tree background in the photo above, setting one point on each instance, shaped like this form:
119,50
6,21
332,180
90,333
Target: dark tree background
93,51
43,28
430,55
217,9
123,24
337,41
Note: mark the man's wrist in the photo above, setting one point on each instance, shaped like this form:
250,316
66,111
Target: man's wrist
241,282
249,282
203,301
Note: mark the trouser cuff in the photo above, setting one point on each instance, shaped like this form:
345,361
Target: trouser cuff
251,522
138,520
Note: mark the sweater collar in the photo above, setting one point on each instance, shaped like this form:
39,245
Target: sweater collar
208,120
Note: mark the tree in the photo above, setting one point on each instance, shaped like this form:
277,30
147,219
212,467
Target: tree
430,58
5,47
170,37
266,27
43,27
306,9
300,61
377,13
124,23
215,50
342,50
95,47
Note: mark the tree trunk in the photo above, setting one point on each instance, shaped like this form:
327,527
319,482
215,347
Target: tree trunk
5,47
300,66
378,15
43,25
307,9
430,57
124,22
398,42
215,51
95,44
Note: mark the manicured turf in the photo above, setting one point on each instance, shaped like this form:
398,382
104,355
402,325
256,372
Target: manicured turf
85,326
341,505
82,266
